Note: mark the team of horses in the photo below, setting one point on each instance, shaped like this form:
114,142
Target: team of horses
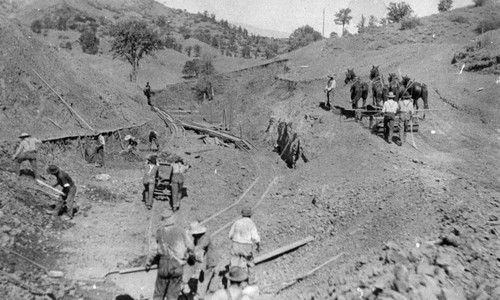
360,89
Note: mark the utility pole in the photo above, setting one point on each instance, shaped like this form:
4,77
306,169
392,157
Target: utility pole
323,22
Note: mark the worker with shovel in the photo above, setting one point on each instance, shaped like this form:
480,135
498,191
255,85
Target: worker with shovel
149,181
177,182
67,200
244,238
173,247
27,150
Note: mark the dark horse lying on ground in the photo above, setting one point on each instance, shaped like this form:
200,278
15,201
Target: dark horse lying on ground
379,88
416,90
359,90
396,86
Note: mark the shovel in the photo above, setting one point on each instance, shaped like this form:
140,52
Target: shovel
50,273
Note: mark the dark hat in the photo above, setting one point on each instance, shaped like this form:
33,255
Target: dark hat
406,96
246,212
52,170
391,95
24,134
237,274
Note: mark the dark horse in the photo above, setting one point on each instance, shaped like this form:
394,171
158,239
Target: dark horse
359,90
379,88
396,86
416,90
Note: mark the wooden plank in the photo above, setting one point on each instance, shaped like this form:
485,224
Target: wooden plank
283,250
48,186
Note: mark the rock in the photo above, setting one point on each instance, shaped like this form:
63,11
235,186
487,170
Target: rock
425,293
103,177
425,269
401,281
444,260
448,294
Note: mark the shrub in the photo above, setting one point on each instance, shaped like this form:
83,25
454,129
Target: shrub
445,5
396,11
478,3
459,19
66,45
487,25
410,22
89,42
36,26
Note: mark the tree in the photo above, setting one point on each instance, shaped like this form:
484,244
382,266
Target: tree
361,24
343,17
245,52
188,50
191,68
206,72
36,26
89,42
445,5
397,11
303,36
197,50
132,41
372,21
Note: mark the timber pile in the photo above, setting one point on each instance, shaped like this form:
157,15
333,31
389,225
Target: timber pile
227,137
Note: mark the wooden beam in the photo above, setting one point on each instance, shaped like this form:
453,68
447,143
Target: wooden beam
65,103
282,250
48,186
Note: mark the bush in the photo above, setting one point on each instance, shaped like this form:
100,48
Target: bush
478,3
487,25
459,19
397,11
89,42
445,5
410,22
36,26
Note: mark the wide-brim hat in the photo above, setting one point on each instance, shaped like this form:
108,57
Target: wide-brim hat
246,212
24,134
237,274
52,169
128,137
391,95
406,96
196,228
168,218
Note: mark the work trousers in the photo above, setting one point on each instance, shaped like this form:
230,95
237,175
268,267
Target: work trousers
148,194
404,121
329,99
29,156
389,126
242,256
169,279
177,183
67,201
155,142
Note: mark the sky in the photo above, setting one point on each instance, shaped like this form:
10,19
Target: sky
288,15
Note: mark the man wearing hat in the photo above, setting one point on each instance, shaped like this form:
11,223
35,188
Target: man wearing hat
389,110
149,181
331,85
406,112
27,150
177,182
173,247
68,188
238,287
244,238
147,92
132,143
153,139
204,265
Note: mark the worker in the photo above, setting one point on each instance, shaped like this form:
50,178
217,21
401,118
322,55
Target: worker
331,85
389,110
66,201
147,92
244,238
406,112
238,287
153,138
101,146
149,181
132,143
27,150
173,247
204,265
177,182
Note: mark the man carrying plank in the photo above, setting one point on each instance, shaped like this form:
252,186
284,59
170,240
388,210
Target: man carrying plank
66,201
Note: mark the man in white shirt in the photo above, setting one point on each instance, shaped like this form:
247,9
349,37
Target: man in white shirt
244,238
406,112
27,150
389,110
331,85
